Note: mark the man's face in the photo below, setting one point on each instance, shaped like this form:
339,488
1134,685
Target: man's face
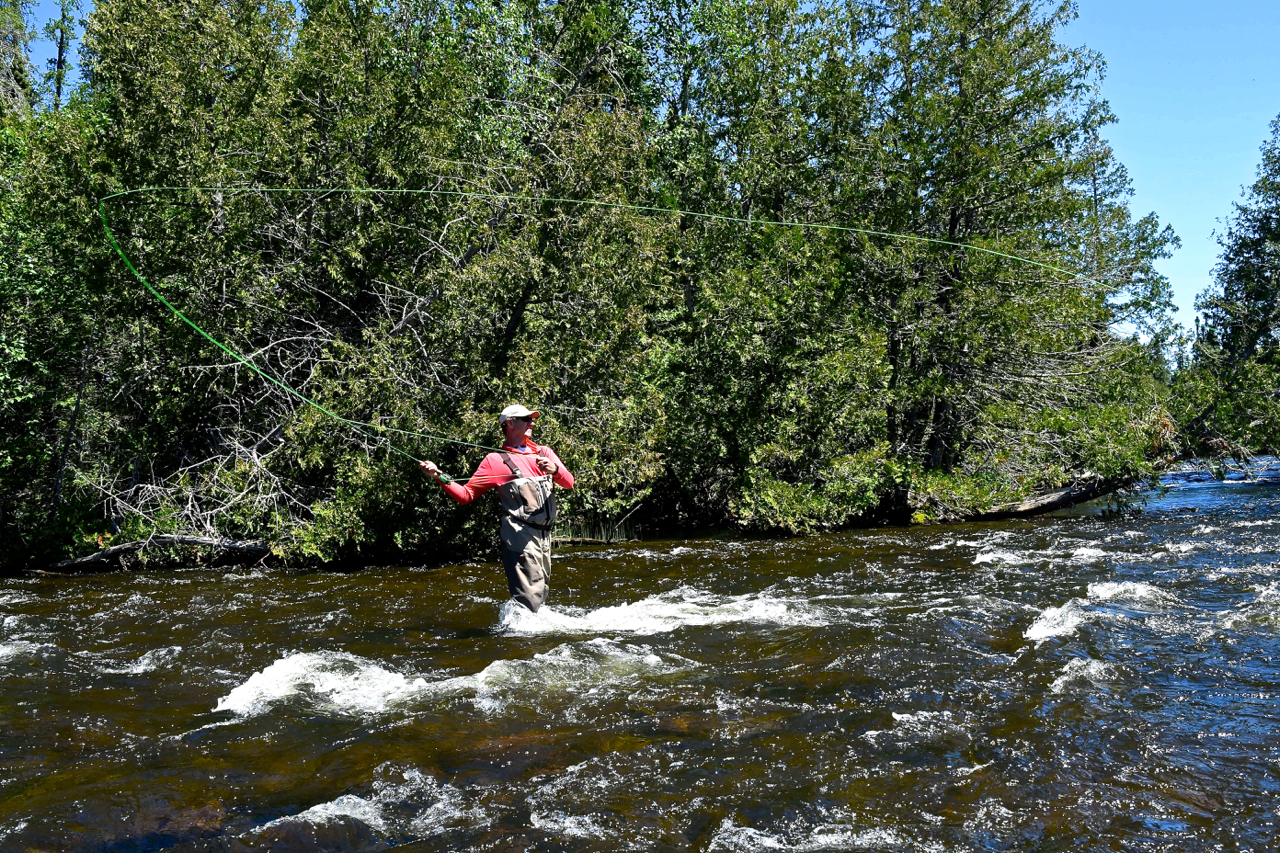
517,428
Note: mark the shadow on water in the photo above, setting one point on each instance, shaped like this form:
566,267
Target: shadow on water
1079,682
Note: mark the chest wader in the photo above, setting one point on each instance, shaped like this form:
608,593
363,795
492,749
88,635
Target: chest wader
528,510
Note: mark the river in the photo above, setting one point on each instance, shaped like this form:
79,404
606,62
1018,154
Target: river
1082,682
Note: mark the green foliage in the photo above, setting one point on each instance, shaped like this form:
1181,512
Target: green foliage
847,489
1230,391
693,370
18,91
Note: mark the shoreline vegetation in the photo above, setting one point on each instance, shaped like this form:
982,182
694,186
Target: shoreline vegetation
172,550
165,550
186,550
606,210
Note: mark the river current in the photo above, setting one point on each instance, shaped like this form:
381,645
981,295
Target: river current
1083,682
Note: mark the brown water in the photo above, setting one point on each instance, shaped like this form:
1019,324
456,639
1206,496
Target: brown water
1070,683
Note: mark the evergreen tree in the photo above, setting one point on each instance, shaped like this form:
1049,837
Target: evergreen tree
1233,388
61,31
17,94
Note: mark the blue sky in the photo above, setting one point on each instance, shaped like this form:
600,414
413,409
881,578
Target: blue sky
1194,86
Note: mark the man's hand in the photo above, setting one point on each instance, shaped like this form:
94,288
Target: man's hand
429,468
547,466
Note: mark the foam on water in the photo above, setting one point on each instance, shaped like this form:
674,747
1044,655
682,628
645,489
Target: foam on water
1066,620
730,837
1130,592
1058,621
334,681
1083,672
413,804
583,668
19,649
346,806
567,826
11,829
663,613
1262,610
345,684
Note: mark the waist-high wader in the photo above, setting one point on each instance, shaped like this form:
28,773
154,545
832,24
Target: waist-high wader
529,508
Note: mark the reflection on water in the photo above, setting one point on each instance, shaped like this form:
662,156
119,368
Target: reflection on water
1070,683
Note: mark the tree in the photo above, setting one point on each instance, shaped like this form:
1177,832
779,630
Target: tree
966,127
62,32
1232,386
17,95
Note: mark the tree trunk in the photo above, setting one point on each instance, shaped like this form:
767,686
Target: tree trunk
109,555
1076,493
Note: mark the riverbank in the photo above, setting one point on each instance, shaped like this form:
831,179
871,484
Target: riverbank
170,550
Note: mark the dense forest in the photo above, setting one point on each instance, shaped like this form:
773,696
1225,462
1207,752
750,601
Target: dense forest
414,212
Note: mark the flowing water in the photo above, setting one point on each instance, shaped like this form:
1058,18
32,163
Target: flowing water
1083,682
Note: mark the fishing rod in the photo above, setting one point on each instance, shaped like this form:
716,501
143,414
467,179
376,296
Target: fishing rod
380,430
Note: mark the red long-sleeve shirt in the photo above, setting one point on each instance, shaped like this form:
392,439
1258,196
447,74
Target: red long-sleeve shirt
493,472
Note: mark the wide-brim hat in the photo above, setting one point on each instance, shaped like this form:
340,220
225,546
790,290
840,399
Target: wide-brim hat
516,411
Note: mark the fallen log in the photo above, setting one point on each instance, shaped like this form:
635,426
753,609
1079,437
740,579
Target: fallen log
1076,493
115,552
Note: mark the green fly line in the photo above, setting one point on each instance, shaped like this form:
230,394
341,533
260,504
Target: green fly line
379,430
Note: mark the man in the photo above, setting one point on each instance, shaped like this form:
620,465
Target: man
524,474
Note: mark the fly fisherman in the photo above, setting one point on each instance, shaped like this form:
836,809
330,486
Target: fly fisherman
524,474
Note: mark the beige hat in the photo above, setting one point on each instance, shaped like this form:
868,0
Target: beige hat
516,411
